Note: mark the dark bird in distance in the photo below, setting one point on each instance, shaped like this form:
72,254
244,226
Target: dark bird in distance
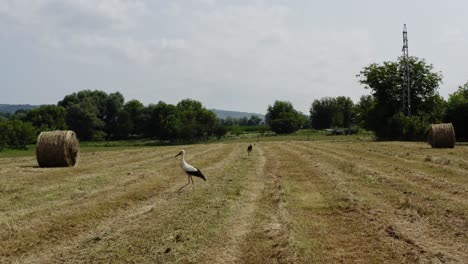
249,149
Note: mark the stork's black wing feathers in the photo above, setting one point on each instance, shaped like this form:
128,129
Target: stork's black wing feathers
197,173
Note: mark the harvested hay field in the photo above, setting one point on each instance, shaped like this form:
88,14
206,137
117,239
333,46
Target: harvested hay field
290,202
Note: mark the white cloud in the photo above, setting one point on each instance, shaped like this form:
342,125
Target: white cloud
118,14
139,51
253,49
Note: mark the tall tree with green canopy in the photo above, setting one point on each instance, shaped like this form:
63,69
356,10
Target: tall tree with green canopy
18,133
254,120
386,82
196,122
113,105
283,118
161,121
331,112
94,100
3,133
123,126
362,109
93,115
457,111
82,119
48,117
322,113
345,110
135,110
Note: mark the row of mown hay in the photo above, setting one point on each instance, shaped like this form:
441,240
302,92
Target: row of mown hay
441,136
57,149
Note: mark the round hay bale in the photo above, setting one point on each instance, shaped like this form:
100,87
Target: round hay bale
57,149
441,136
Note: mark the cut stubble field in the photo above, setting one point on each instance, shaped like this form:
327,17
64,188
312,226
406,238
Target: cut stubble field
290,202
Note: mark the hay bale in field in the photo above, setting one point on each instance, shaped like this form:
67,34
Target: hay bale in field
441,136
57,149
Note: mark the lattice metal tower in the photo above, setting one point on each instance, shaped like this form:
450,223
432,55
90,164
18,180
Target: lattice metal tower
406,75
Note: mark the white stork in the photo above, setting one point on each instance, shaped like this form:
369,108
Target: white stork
189,169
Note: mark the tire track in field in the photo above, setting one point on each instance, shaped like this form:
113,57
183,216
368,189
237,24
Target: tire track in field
402,187
243,212
330,223
269,239
455,160
427,240
122,220
47,229
454,173
421,180
350,207
403,178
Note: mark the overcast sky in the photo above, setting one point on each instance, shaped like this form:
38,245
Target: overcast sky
232,54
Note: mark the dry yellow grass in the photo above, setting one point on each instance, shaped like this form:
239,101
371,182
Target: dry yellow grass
290,202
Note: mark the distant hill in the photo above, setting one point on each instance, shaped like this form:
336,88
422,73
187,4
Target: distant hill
234,114
8,108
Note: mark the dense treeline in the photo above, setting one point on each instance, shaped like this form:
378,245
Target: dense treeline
283,118
456,111
382,110
96,115
332,112
242,121
5,115
15,133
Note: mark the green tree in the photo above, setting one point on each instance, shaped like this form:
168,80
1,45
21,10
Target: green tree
135,109
230,121
161,121
113,105
48,117
331,112
283,118
3,133
322,113
386,83
82,119
219,130
254,120
362,109
20,114
5,115
123,127
457,111
196,122
87,97
19,133
344,107
93,115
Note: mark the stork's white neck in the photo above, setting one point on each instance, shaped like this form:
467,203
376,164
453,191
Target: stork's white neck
182,160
